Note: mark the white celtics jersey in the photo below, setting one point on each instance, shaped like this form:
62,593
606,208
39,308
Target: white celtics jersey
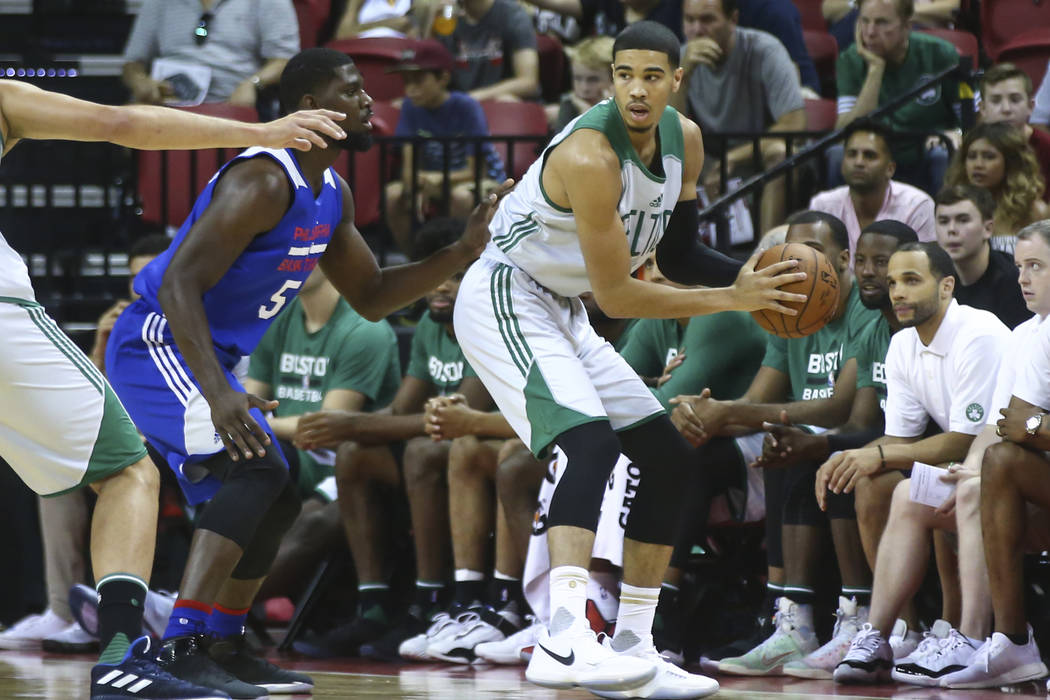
532,233
14,277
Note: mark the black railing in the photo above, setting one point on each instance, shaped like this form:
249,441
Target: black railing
716,211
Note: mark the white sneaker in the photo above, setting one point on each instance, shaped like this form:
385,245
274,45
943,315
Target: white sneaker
903,641
72,640
944,651
443,625
931,640
821,663
669,683
869,659
83,602
791,640
491,626
999,662
515,650
159,605
28,632
575,657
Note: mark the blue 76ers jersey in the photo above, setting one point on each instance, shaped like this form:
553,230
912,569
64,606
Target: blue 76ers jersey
270,271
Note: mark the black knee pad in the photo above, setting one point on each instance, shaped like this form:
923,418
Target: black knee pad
663,457
259,555
800,498
591,452
249,488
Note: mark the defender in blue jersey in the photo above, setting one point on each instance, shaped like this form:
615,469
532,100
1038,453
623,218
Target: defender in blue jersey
264,221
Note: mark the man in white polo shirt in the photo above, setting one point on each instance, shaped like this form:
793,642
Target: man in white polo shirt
942,366
1015,500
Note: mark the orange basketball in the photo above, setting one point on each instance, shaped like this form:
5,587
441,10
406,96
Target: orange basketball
821,288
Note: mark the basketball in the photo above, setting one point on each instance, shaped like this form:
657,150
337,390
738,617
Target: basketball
821,288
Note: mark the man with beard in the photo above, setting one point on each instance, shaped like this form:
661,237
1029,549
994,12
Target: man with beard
369,447
870,194
255,233
807,381
941,365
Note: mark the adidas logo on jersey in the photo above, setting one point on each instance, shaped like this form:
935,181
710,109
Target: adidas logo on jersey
657,202
119,679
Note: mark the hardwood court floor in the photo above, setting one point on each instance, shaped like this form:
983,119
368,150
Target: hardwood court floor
35,675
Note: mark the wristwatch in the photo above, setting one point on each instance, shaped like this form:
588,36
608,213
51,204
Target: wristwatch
1032,425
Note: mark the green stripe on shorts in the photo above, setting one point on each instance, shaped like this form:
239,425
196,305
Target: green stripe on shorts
66,346
497,292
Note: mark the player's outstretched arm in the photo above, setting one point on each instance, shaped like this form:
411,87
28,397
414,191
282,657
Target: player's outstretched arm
375,292
583,173
27,112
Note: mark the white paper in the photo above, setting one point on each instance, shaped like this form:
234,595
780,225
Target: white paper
189,81
927,487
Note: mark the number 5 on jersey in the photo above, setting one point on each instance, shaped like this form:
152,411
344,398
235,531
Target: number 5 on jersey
279,299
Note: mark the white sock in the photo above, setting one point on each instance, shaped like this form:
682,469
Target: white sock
634,622
568,587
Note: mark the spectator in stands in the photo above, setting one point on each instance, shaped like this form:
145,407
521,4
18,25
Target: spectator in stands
887,60
1041,108
591,80
782,19
431,110
376,18
986,278
609,17
738,80
65,519
565,28
1006,96
870,193
366,446
141,252
243,44
319,355
1014,504
494,46
940,366
998,158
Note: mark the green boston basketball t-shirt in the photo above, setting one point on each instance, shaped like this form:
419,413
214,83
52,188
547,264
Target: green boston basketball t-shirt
723,352
348,352
870,350
931,110
436,357
650,345
813,362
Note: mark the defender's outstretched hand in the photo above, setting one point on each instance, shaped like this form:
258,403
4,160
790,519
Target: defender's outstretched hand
302,130
476,235
759,289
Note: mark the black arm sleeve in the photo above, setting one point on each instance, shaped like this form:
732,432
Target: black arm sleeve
683,258
851,441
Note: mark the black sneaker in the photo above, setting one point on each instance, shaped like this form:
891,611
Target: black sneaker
234,656
138,675
344,640
386,647
187,658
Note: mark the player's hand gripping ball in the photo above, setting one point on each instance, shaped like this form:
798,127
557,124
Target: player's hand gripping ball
821,288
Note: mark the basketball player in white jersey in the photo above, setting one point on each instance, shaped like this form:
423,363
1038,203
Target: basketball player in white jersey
616,184
61,426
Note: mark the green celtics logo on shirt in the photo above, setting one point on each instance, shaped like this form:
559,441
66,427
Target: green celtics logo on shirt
974,412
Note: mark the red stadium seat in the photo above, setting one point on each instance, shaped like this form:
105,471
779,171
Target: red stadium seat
1029,52
552,67
812,16
516,119
965,42
373,56
824,50
1002,21
821,115
185,172
312,15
